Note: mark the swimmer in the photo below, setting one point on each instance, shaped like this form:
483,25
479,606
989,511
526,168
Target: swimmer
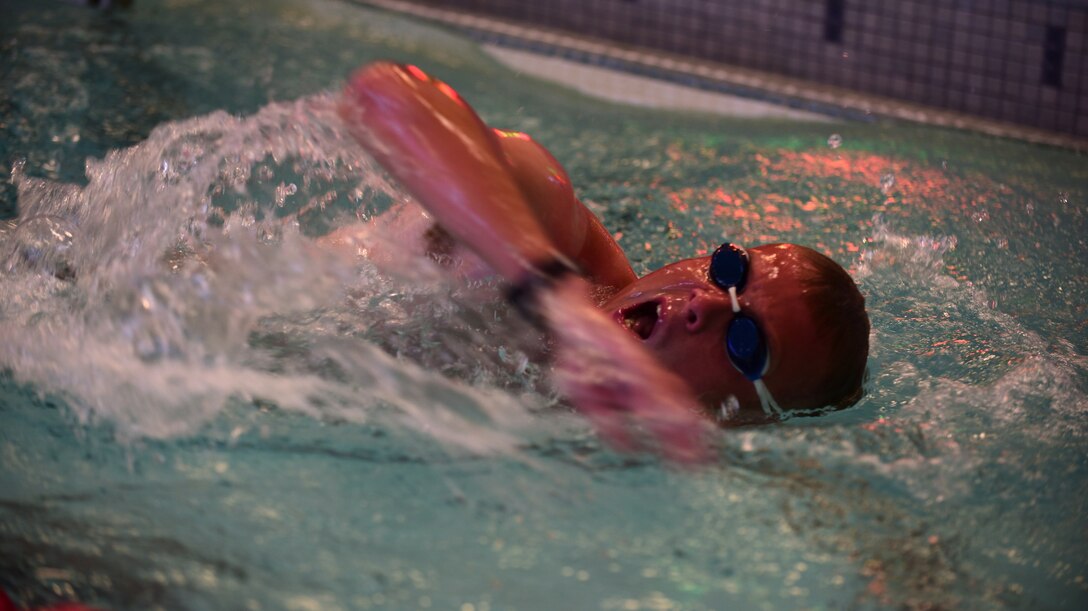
749,334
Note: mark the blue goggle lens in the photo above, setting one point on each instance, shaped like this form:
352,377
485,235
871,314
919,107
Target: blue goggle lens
744,342
729,266
746,348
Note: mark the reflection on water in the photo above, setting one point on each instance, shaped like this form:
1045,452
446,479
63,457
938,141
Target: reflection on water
202,409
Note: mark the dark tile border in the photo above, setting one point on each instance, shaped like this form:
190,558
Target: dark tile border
720,78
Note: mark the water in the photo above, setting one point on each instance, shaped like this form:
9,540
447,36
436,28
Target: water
200,410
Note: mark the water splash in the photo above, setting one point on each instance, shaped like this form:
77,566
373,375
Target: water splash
887,182
916,256
184,277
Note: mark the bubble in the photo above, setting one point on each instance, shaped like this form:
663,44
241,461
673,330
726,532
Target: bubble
834,141
887,181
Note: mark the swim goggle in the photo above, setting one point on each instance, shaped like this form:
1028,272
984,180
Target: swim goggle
745,343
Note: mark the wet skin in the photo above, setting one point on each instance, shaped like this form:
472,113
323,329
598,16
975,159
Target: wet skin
681,316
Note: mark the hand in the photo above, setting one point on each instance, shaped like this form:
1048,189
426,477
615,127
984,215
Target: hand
616,383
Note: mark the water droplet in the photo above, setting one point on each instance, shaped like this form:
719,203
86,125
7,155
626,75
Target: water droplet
834,141
283,191
729,409
268,234
887,181
18,171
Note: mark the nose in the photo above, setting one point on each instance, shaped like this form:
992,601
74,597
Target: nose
704,307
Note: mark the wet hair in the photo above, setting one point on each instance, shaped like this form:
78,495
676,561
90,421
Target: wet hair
837,308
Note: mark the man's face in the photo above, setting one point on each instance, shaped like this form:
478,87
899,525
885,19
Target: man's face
680,315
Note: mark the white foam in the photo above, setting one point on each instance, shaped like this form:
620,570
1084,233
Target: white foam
196,285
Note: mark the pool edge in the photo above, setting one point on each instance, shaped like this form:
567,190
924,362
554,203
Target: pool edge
716,77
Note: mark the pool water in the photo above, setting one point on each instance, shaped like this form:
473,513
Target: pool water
200,410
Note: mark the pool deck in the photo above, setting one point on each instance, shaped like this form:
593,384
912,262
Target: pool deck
625,88
513,43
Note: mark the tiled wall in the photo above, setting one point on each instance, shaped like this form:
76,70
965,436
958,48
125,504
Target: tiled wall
1020,61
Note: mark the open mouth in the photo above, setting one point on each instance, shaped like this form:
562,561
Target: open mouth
640,319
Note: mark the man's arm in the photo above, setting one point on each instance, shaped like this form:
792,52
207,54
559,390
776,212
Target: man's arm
433,143
428,138
576,231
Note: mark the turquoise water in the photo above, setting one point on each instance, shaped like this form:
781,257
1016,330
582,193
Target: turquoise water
200,411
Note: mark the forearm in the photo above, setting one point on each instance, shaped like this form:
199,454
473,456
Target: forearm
435,145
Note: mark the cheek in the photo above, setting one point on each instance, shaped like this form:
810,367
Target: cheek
797,379
798,384
707,370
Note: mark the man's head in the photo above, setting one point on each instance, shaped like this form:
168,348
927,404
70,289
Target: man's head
809,315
